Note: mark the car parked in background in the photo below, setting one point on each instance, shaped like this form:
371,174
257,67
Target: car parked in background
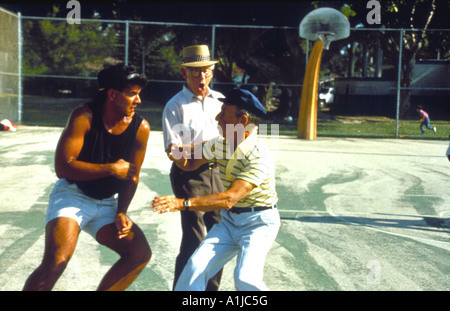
326,96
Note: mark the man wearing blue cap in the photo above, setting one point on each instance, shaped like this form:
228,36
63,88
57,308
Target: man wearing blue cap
250,219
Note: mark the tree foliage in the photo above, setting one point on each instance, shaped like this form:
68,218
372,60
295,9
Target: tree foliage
266,55
416,18
56,47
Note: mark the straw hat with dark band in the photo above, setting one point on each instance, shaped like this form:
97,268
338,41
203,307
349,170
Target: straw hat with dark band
197,56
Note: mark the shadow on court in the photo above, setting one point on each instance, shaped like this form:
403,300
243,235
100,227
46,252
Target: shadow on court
357,214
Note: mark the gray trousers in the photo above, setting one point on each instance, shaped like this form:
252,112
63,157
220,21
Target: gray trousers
205,180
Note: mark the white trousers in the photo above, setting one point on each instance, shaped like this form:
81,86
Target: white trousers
247,235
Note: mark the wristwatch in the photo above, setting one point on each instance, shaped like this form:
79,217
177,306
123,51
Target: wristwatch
186,204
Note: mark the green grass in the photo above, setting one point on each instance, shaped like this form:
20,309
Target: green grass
54,112
372,127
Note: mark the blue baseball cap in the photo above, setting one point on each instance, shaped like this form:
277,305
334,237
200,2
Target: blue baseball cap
245,100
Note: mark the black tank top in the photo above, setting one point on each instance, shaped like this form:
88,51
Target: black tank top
102,147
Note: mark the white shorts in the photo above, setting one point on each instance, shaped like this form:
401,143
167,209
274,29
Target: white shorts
67,200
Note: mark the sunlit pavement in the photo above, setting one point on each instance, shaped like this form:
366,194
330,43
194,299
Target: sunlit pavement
357,214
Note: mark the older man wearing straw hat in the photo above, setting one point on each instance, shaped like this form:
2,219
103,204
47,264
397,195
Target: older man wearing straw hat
189,118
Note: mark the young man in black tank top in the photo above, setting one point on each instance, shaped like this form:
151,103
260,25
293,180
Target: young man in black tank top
97,161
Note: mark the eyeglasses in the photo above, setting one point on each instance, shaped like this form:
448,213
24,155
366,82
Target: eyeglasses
196,72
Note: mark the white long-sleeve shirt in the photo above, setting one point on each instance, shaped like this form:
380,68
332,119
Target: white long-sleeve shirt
187,119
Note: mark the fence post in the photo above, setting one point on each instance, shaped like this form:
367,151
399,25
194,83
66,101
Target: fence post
19,86
399,78
127,34
213,45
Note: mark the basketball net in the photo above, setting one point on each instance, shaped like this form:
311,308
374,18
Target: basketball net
326,39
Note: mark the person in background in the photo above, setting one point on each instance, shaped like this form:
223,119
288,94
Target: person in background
188,118
424,120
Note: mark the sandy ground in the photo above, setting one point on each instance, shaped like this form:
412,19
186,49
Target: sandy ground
357,214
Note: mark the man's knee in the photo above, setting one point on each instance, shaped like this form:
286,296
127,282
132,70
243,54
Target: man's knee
61,238
144,253
55,264
133,247
139,248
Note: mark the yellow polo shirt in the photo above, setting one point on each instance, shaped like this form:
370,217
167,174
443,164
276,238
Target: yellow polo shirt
252,162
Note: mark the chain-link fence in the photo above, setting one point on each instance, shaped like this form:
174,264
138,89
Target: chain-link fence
9,66
370,82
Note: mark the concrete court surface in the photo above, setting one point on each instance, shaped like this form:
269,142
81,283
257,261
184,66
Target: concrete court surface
357,215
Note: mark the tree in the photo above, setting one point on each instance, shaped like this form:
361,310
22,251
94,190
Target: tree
56,47
415,17
420,14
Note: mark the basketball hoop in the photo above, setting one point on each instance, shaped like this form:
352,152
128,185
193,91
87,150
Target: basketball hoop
326,39
325,24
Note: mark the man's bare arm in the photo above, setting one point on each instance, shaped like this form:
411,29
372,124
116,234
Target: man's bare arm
69,147
126,194
137,158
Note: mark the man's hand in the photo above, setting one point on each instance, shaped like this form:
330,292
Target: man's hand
123,170
123,225
166,204
179,154
184,156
